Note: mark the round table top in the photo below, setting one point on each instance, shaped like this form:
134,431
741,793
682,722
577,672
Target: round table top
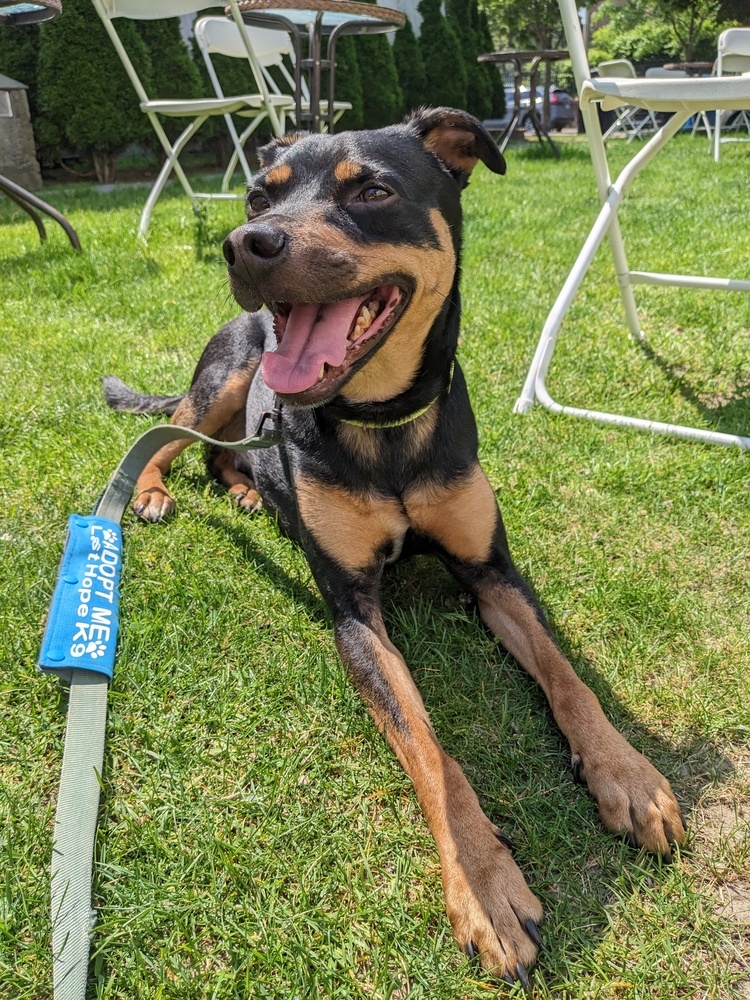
524,55
12,12
690,67
339,11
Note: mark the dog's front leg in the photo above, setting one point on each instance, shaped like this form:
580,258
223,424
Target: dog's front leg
347,538
633,797
492,912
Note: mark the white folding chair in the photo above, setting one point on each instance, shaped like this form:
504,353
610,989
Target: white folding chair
683,98
733,56
634,122
257,105
270,47
661,73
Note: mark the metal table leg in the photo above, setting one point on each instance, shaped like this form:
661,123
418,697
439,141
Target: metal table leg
28,202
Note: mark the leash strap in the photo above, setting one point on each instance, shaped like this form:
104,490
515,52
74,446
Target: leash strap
79,646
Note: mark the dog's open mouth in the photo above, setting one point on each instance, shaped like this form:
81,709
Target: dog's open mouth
319,342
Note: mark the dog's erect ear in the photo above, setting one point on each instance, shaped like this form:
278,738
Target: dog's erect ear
458,139
272,150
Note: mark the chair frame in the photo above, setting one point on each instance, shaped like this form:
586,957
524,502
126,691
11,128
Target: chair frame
199,110
264,64
733,61
634,122
684,98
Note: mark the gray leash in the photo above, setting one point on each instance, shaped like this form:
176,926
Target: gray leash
79,646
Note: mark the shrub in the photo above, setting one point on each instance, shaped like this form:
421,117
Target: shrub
494,76
383,102
445,71
19,51
410,67
462,17
349,83
85,97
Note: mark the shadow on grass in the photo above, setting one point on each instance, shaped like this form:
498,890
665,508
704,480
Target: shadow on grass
496,722
730,417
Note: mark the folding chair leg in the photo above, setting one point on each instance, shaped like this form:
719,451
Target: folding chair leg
535,386
611,195
237,155
171,163
604,184
239,147
717,136
620,123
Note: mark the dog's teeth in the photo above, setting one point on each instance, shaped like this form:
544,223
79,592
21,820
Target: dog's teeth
322,372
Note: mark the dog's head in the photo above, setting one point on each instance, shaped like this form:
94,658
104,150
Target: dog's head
353,243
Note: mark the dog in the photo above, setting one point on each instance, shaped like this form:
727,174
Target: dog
353,245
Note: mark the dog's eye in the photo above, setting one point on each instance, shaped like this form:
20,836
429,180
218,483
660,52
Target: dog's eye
373,193
258,202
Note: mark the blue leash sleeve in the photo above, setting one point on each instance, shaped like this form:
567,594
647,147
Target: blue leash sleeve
82,625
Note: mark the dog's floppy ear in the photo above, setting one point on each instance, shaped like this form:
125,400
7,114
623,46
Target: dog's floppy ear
272,150
458,139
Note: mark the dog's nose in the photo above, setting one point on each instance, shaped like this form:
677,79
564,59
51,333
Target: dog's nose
253,243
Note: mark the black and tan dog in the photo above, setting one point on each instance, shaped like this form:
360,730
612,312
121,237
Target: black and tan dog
353,244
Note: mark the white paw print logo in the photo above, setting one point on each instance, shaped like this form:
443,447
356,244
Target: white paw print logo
96,649
109,536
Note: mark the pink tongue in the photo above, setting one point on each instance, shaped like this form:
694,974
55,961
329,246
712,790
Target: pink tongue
315,335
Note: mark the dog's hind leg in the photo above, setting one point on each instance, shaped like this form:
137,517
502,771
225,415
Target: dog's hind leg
633,797
215,406
222,464
209,414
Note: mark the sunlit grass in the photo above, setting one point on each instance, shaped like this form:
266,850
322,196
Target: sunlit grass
256,836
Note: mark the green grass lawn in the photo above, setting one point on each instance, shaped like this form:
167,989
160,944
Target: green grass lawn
256,836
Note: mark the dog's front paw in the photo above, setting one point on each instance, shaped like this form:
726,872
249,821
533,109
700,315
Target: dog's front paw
633,797
493,913
246,497
153,504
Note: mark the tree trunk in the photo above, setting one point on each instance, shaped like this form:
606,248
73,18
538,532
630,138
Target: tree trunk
104,165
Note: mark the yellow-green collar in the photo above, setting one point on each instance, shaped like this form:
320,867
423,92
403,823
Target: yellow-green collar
379,425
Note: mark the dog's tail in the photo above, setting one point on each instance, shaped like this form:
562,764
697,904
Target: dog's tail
120,397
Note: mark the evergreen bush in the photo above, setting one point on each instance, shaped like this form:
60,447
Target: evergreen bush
494,76
383,102
19,51
85,98
348,84
461,16
410,68
444,66
174,74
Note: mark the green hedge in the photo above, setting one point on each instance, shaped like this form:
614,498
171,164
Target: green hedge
82,101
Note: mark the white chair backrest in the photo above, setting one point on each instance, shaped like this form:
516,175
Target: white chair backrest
734,41
617,68
150,10
221,36
658,72
733,63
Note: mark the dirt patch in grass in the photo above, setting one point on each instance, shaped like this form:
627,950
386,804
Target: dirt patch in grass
736,901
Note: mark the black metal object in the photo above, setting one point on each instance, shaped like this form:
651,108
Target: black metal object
33,13
519,58
12,12
364,19
28,202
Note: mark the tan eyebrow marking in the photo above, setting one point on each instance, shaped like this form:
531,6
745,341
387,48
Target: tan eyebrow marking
279,175
347,170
